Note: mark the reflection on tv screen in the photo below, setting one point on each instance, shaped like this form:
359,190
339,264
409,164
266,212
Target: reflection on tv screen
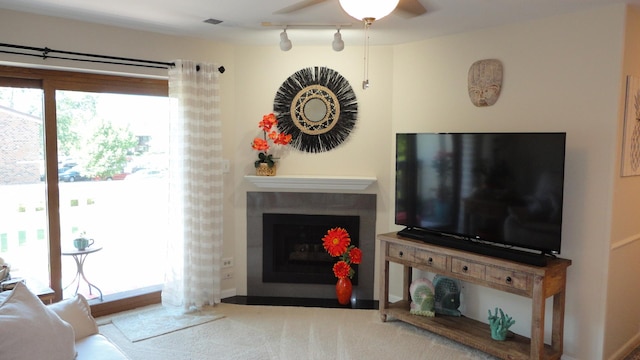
503,188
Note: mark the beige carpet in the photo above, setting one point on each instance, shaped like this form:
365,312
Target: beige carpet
292,333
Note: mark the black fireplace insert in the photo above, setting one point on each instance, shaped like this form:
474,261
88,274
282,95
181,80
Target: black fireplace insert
293,251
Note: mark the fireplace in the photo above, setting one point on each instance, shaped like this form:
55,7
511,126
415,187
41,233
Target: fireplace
298,236
292,251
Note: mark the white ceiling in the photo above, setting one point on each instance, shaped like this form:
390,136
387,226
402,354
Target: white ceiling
242,19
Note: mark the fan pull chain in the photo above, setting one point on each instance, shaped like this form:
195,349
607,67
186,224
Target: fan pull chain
365,82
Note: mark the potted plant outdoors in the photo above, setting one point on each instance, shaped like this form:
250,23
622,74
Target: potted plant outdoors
266,165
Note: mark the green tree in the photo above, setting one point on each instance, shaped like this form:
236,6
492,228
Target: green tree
107,150
75,111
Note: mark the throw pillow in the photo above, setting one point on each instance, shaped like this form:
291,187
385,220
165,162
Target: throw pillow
31,331
77,313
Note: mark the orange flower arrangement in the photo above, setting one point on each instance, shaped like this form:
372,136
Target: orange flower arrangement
337,243
267,125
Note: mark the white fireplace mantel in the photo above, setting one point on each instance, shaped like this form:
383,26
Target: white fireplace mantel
311,182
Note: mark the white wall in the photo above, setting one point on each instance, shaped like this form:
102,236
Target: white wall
623,316
560,74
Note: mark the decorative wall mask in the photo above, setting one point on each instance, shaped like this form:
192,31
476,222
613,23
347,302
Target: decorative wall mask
485,82
318,107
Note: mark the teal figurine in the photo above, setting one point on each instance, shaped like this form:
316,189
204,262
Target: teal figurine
447,295
500,325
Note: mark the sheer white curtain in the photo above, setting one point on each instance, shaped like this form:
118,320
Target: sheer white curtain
195,196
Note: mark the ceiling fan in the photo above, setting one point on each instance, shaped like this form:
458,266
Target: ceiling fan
405,8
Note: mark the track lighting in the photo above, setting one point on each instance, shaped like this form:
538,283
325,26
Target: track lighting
337,44
285,43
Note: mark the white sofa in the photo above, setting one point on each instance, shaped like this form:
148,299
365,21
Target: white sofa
65,330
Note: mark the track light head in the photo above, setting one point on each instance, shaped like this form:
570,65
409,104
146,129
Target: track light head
337,44
285,43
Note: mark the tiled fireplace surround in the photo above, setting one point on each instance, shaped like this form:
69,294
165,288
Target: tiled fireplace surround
316,203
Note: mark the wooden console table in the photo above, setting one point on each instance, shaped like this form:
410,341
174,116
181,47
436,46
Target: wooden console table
537,283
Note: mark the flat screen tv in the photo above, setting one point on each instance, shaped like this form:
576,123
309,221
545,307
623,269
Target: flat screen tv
500,194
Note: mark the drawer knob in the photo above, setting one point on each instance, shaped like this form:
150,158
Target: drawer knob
430,260
465,268
509,280
400,253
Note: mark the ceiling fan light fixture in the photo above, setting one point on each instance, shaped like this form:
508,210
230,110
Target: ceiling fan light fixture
338,43
367,9
285,43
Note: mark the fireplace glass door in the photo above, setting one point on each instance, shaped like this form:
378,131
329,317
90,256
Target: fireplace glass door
293,251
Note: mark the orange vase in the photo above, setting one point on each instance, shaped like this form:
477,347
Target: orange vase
343,290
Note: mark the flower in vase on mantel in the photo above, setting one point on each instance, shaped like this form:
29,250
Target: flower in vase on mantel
337,243
268,126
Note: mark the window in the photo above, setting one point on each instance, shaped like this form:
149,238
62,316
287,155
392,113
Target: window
93,147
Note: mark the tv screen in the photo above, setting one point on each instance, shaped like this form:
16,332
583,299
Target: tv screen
495,188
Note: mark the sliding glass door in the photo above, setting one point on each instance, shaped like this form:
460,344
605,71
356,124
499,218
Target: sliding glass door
83,156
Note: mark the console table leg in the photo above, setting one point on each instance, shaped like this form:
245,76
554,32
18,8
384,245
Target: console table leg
384,283
408,278
557,333
537,319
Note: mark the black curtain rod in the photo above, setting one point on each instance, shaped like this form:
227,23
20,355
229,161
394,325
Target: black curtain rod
45,53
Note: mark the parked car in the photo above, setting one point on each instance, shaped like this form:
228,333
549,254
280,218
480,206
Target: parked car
74,174
119,176
147,174
62,167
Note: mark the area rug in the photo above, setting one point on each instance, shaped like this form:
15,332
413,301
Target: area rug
256,332
159,320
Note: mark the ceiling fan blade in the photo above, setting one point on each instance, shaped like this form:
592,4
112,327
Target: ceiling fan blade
410,8
298,6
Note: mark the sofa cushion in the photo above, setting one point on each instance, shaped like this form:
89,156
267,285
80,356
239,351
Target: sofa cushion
77,313
29,330
98,347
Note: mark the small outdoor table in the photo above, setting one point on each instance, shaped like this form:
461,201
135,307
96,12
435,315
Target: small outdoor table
80,256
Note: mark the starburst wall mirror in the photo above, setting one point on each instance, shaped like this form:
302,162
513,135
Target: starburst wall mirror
318,107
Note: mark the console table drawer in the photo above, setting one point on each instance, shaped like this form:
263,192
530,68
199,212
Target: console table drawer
431,259
401,252
508,278
468,268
